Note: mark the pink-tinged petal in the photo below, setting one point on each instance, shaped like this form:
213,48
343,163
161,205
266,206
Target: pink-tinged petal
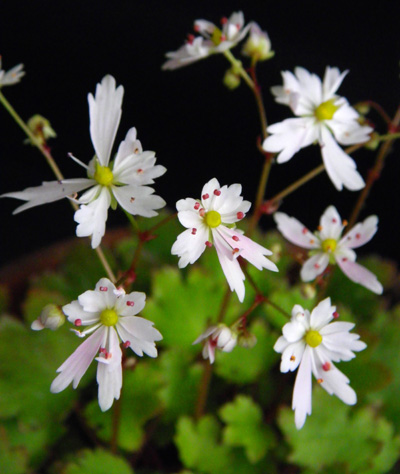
204,27
140,333
189,53
73,369
332,380
295,232
289,136
208,351
331,83
138,200
131,145
189,245
109,373
361,233
105,114
49,191
230,266
322,314
301,402
131,304
138,169
205,334
339,166
292,355
92,217
74,311
314,266
360,274
331,226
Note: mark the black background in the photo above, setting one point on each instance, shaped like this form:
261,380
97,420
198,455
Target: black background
197,127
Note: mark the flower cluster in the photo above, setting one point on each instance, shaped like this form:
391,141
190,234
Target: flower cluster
12,76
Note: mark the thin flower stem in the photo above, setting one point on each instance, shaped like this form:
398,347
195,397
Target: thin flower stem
116,419
132,221
239,68
378,108
389,136
207,372
163,222
56,170
260,103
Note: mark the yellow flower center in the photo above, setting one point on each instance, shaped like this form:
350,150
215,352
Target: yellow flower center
103,175
108,317
329,245
216,36
213,219
326,110
313,338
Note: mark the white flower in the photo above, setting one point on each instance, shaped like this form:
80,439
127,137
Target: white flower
324,117
12,76
211,221
328,246
212,40
124,181
258,44
312,344
110,318
220,337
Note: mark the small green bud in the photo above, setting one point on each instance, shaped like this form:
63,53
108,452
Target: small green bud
258,45
247,339
51,317
231,79
373,143
41,129
308,291
362,108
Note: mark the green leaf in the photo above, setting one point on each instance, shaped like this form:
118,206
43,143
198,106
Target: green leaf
183,308
13,460
342,437
139,403
245,365
99,462
245,427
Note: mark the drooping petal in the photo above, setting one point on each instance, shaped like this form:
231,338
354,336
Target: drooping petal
295,231
49,191
301,402
339,166
138,200
73,369
361,233
314,266
331,226
360,274
92,217
105,114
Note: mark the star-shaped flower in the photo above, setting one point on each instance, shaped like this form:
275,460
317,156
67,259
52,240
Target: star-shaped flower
323,117
220,337
328,246
110,317
211,221
212,40
312,343
12,76
123,181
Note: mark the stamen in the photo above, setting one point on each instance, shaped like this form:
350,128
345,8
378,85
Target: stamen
224,20
344,259
358,236
78,322
139,171
240,215
326,366
132,199
103,288
335,315
292,358
312,241
236,250
317,265
334,220
202,212
196,206
196,28
208,243
320,380
103,350
235,238
205,196
108,355
217,192
345,222
130,303
77,161
319,228
190,38
223,38
126,344
194,230
304,231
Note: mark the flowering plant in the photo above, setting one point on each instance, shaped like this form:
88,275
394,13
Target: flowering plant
191,318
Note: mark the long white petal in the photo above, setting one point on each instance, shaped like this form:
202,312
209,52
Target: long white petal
138,200
105,114
295,231
314,266
360,274
361,233
301,402
330,224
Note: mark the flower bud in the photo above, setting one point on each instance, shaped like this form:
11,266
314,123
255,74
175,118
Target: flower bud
231,79
308,290
41,129
51,317
362,108
247,339
258,45
373,143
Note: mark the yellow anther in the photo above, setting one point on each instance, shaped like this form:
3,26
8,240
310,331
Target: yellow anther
329,245
213,218
326,110
103,175
313,338
108,317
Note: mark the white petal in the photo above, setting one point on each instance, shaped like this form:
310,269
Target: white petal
291,356
339,166
189,246
77,363
331,83
140,333
295,231
205,334
130,146
361,233
49,191
331,224
131,304
301,402
360,274
190,219
105,114
92,217
74,311
314,266
138,200
322,314
294,331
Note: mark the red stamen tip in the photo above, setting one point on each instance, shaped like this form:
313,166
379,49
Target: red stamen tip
202,212
240,215
317,265
335,315
205,196
236,250
223,38
130,303
190,38
126,344
196,28
217,192
235,238
103,288
326,366
334,220
103,350
320,380
197,206
224,20
358,236
304,231
78,322
208,243
194,230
